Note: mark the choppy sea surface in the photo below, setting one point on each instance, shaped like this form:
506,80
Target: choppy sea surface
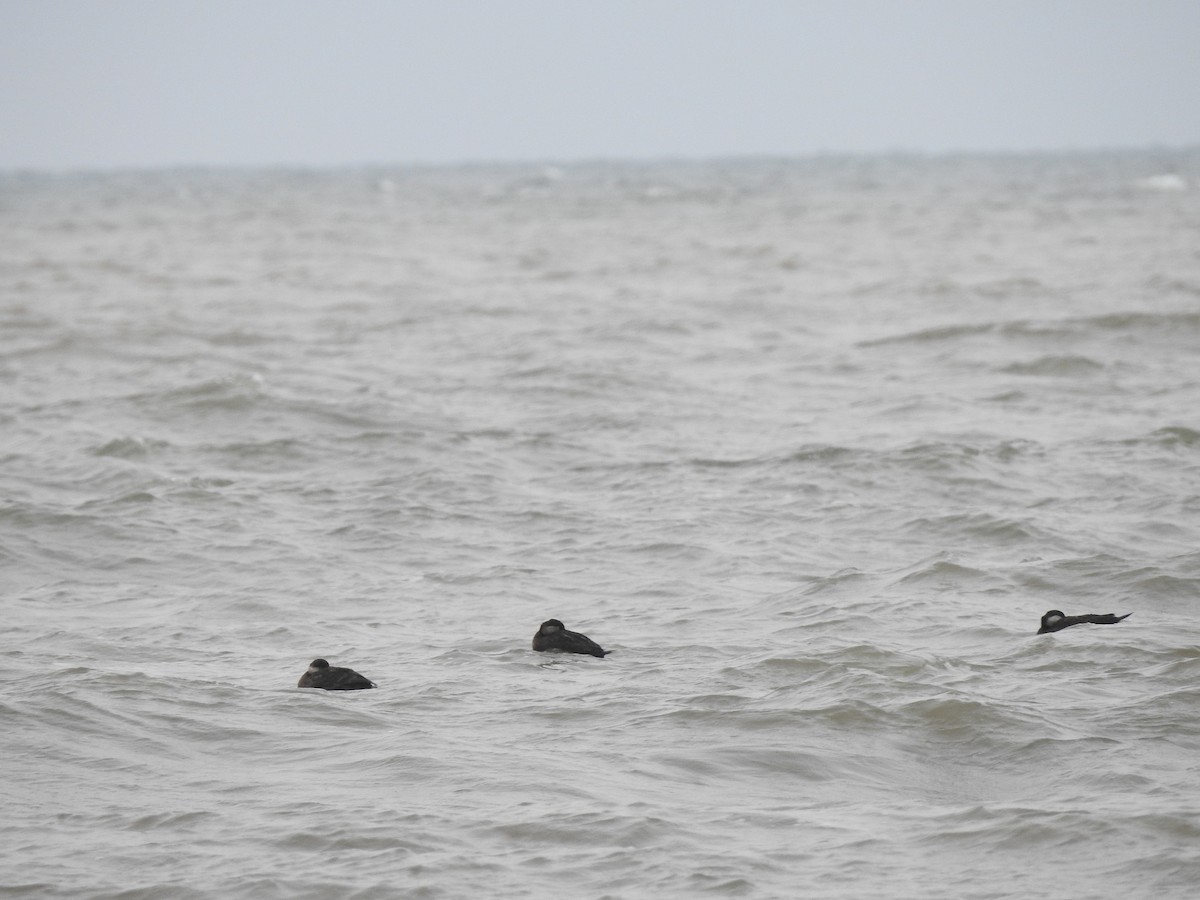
810,445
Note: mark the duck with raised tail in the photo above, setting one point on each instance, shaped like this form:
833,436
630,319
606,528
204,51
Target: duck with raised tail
1056,620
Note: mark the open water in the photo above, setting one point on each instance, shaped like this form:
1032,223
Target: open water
809,444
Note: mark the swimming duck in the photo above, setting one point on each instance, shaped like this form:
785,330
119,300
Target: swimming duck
553,635
1056,621
322,675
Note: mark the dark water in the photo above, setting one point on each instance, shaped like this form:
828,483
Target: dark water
810,445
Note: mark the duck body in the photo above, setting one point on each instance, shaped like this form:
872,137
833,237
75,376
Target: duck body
553,635
322,675
1056,620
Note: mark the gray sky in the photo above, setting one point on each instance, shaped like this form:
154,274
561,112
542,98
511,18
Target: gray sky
87,83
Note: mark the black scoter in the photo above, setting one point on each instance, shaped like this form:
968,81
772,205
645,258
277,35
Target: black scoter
1055,620
553,635
322,675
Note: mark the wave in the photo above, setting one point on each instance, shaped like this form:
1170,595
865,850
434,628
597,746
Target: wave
1133,323
1056,366
1168,436
988,528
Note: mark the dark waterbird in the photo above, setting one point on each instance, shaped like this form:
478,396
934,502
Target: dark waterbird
322,675
1055,620
553,635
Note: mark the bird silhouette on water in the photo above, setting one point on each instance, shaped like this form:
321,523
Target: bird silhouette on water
322,675
1056,620
553,635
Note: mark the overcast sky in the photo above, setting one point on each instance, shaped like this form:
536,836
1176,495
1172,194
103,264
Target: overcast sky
101,83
